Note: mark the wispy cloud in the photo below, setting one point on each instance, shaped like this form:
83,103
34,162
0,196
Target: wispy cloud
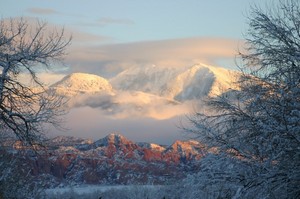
105,21
108,20
42,11
87,38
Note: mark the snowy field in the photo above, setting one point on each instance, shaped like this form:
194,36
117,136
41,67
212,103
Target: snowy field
117,191
85,189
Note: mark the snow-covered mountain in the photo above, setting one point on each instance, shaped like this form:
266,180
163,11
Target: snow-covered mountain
180,84
150,91
81,83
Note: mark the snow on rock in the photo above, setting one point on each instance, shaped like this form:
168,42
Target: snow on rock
148,79
113,160
187,148
152,146
180,84
79,83
112,139
69,141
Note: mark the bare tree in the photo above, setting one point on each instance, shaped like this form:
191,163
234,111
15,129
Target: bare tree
25,108
257,128
28,49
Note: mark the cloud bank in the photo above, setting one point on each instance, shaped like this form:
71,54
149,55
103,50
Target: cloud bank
132,104
98,54
89,122
108,60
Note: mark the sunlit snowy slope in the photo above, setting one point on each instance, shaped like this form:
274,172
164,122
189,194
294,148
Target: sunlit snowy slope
180,84
150,91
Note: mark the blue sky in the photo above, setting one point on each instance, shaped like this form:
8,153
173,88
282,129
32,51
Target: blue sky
137,20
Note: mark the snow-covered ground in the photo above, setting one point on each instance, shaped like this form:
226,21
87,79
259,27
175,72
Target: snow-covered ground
84,189
96,190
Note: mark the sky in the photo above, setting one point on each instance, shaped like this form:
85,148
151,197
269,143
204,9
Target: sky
113,35
123,21
108,35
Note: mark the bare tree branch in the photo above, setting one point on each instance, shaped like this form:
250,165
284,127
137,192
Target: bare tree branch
24,49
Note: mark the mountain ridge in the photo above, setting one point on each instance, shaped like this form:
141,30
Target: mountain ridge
113,159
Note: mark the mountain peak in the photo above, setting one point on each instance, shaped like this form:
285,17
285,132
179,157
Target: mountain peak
113,138
187,147
152,146
82,83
